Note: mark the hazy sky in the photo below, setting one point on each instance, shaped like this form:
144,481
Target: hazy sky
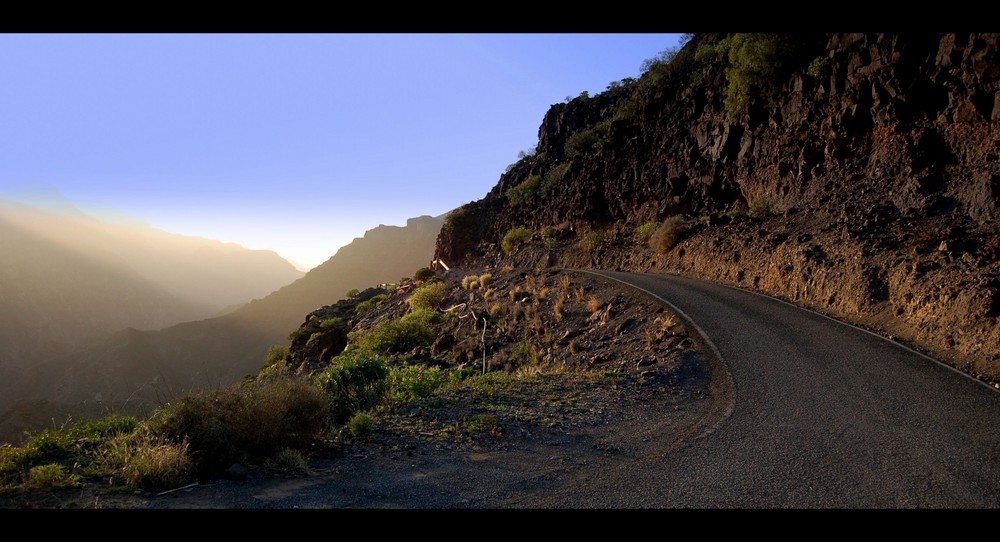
294,142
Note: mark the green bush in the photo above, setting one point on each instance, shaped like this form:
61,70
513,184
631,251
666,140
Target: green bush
581,143
524,192
428,297
755,60
353,383
554,175
369,303
289,460
353,292
423,274
515,237
331,323
454,219
276,354
402,335
410,382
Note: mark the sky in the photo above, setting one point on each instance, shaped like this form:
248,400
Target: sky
296,143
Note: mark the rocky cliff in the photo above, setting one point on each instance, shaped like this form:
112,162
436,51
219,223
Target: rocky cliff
855,174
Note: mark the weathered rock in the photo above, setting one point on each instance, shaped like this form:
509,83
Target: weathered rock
895,139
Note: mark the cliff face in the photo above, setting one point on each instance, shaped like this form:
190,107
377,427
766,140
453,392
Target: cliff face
859,178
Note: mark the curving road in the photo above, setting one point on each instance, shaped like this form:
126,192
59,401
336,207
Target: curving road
821,414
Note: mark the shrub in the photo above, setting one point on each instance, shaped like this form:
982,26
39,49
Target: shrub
524,192
515,237
755,60
455,215
423,274
369,303
276,354
353,383
591,240
403,334
353,292
410,382
428,297
245,421
819,67
581,143
554,175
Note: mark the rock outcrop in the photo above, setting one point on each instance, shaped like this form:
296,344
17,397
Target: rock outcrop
860,178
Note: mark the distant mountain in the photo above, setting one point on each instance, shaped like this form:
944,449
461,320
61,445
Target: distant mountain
53,298
202,271
148,368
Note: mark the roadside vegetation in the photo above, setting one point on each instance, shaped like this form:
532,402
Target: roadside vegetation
471,352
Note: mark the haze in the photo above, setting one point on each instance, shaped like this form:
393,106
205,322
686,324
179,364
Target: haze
295,143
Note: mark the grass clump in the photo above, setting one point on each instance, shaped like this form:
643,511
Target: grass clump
554,175
470,282
147,461
361,424
52,476
289,460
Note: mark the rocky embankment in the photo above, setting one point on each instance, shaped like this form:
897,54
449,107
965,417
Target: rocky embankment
859,179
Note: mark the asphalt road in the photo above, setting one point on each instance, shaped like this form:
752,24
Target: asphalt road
821,415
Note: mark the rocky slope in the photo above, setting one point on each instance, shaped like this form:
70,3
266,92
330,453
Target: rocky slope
856,174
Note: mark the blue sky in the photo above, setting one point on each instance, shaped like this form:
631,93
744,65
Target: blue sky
292,142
